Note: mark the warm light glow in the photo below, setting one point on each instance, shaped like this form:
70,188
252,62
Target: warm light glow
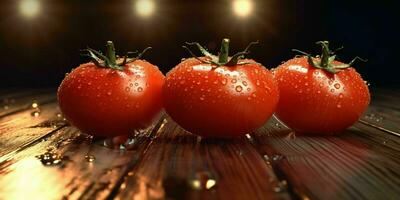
29,8
242,8
144,8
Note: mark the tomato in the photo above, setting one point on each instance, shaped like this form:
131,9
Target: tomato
111,97
213,97
320,95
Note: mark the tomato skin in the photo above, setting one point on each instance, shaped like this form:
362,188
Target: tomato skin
315,101
109,102
221,102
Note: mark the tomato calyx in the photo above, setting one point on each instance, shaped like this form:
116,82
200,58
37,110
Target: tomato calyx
327,58
110,59
223,58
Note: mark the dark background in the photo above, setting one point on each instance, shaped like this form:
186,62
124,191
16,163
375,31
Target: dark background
38,52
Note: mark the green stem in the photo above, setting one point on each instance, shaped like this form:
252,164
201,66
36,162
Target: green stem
325,53
110,53
224,52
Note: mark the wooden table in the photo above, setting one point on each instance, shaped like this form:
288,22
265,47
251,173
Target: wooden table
42,157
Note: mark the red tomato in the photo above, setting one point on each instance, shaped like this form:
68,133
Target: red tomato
110,101
318,98
220,100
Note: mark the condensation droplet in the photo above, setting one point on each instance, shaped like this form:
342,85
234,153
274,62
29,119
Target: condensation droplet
238,88
337,85
140,89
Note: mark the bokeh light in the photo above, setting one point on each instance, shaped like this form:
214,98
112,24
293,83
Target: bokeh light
29,8
144,8
242,8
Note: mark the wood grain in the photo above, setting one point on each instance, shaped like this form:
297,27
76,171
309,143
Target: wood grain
75,177
179,165
355,165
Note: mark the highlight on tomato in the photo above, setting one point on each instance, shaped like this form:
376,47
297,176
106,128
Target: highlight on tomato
220,96
320,95
111,95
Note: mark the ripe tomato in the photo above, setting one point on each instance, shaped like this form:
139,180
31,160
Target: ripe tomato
213,97
320,95
111,97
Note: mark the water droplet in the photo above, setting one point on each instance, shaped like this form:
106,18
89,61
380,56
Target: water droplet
337,85
109,93
136,84
234,80
277,157
202,180
34,104
330,82
338,106
238,88
140,89
341,95
279,186
202,98
224,81
258,83
50,157
35,113
244,83
90,158
127,89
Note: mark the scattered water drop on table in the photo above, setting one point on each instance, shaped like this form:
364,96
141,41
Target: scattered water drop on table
50,157
34,104
35,113
202,180
90,158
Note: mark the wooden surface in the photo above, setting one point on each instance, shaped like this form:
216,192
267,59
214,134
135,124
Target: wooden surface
42,157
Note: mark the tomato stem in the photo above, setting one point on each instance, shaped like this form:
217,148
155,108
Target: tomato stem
327,58
110,59
111,53
224,51
223,58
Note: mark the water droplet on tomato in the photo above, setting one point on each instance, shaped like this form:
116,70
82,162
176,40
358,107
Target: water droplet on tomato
341,95
238,88
234,80
337,85
338,106
257,82
244,83
109,93
140,89
224,81
127,89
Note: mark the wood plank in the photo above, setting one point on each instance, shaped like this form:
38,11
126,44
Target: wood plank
74,176
26,126
22,101
179,165
355,165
